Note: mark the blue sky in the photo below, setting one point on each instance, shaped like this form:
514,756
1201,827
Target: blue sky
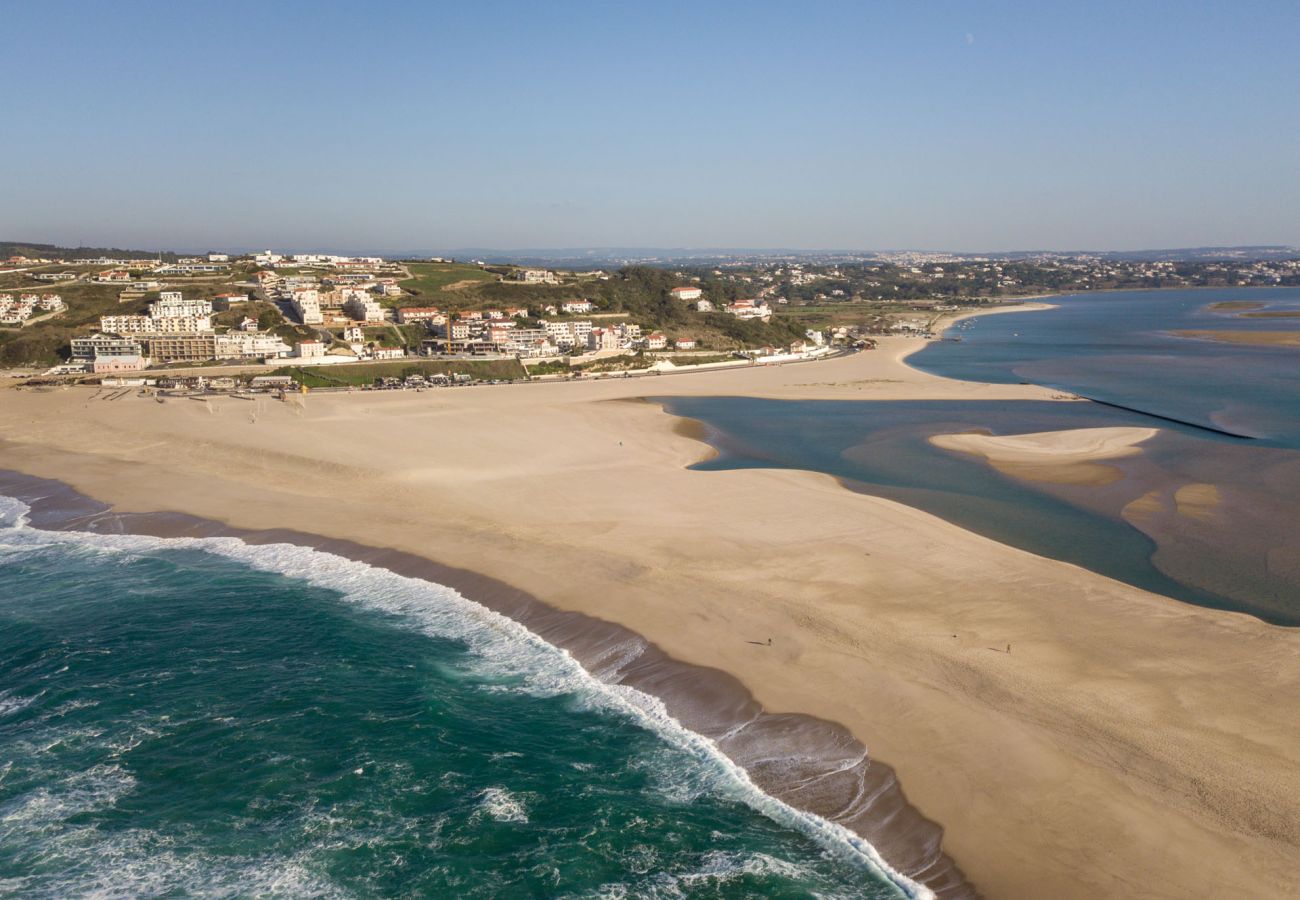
414,126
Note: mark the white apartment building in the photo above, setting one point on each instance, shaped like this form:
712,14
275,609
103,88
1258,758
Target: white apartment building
604,339
577,307
180,324
250,345
750,309
126,324
102,345
532,342
536,276
689,294
155,324
172,304
568,334
306,303
408,314
360,307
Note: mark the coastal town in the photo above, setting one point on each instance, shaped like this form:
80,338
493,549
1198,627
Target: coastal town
299,312
323,320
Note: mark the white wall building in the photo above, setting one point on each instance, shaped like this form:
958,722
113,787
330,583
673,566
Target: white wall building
536,276
126,324
408,314
568,334
362,308
172,305
250,345
306,303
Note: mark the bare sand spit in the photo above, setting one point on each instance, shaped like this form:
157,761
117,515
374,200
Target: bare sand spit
1255,338
1069,446
1071,456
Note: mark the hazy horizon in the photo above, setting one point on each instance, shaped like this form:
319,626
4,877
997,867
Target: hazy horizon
605,253
406,126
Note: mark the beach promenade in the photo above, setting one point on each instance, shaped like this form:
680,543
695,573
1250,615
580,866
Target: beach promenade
1125,745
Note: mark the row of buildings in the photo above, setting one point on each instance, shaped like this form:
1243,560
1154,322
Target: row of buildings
346,295
17,310
272,259
173,330
757,308
483,335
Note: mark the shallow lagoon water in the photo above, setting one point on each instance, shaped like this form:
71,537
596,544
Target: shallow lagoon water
1120,347
1114,348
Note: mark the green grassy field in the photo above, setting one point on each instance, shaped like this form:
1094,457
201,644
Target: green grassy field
429,279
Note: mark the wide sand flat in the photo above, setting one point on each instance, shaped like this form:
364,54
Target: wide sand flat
1128,746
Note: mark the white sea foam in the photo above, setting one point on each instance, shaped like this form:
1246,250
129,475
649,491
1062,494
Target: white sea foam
503,648
713,874
11,703
503,806
13,512
47,808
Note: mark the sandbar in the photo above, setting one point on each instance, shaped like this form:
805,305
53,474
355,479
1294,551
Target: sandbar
1257,338
1069,456
1237,304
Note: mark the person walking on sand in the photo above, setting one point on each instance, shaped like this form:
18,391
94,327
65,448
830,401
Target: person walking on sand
1008,648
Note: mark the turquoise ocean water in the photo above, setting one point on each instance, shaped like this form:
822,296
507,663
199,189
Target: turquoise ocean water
202,717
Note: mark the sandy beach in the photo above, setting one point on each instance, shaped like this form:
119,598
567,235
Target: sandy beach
1127,745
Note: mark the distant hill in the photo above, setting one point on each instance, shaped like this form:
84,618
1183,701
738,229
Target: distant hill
1207,254
48,251
614,257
